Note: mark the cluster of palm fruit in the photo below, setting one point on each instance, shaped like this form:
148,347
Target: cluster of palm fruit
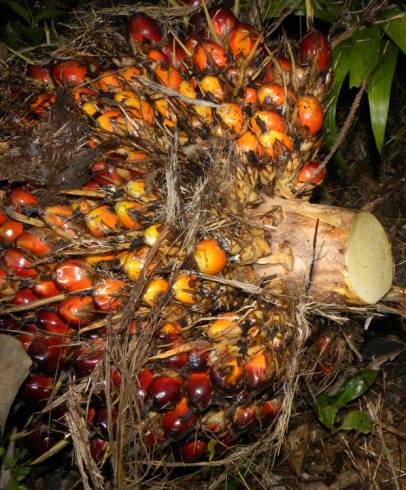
217,356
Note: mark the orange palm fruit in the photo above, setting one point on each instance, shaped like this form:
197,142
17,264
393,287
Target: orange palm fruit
168,75
42,103
184,289
262,121
74,275
77,311
275,143
22,198
131,73
155,290
232,116
248,142
250,95
308,173
207,54
37,241
210,257
102,221
310,114
59,218
225,328
133,262
10,230
18,264
211,85
68,72
108,81
273,94
242,40
128,213
107,295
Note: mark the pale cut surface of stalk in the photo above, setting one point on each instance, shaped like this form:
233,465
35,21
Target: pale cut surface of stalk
330,254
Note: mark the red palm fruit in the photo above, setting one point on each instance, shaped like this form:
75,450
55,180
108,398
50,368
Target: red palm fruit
242,40
168,75
107,295
42,103
199,390
40,440
275,143
105,172
210,257
314,48
278,70
174,51
16,262
197,360
310,114
51,322
143,28
68,72
144,380
60,218
179,421
164,391
152,435
184,289
36,241
245,416
101,419
263,121
48,352
270,409
155,291
22,198
223,21
259,368
232,116
45,288
24,296
127,212
28,335
74,275
190,43
226,370
169,333
250,95
176,362
38,72
108,82
307,174
98,448
208,54
3,218
102,221
84,361
76,310
36,389
10,230
193,450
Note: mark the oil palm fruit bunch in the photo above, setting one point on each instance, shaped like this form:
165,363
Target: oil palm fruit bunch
74,268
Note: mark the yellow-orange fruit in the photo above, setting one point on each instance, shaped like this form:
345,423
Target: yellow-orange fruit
156,288
310,113
210,257
184,289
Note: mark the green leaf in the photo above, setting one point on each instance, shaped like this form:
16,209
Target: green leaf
11,36
2,451
395,28
357,420
364,54
354,386
341,64
327,415
18,9
48,14
34,34
379,89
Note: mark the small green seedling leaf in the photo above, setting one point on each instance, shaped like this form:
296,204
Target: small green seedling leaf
364,54
11,36
353,387
379,89
357,420
327,415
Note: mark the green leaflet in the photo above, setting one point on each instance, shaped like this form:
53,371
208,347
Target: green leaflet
379,89
364,54
18,9
395,28
341,64
48,15
354,386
